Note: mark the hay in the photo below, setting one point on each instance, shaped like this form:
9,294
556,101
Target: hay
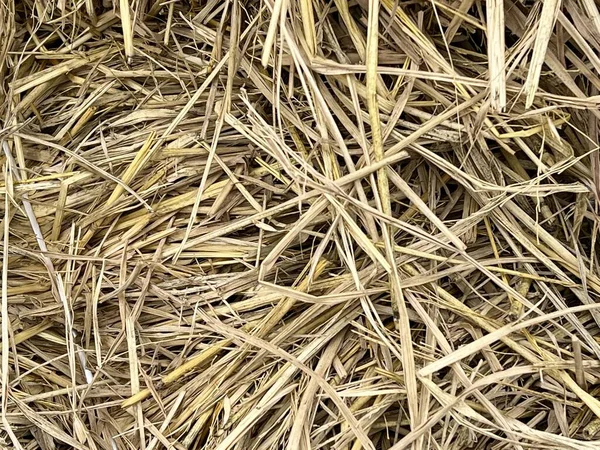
297,224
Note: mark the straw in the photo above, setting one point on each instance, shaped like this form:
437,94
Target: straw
296,224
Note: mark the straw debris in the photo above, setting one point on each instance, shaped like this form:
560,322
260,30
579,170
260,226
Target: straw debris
297,224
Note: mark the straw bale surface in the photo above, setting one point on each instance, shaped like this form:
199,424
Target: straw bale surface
299,224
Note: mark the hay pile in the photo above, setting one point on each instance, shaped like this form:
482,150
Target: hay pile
300,224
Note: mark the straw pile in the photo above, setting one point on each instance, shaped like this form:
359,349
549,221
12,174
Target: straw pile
300,224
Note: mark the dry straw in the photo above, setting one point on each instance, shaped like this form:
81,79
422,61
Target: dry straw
300,224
